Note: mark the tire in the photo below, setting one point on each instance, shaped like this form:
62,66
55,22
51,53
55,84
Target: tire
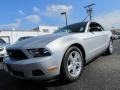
72,64
109,50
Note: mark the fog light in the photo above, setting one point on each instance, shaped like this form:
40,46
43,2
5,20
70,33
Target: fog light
37,73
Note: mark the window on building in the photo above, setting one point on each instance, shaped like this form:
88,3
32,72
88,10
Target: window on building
45,30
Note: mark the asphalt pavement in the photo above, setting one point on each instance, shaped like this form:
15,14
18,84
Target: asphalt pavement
101,74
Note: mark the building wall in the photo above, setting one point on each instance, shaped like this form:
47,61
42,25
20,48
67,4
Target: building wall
46,29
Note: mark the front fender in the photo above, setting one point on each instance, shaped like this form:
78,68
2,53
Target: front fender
60,46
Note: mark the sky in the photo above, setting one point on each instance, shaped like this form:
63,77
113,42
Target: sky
28,14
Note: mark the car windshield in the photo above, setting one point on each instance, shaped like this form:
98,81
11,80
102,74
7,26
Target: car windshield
2,41
74,28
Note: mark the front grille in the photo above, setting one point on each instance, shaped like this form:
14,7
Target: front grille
16,54
16,73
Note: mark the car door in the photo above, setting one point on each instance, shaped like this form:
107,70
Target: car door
95,40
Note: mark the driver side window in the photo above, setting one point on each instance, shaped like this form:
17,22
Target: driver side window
94,27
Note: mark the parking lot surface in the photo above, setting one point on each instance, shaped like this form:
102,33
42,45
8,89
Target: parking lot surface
101,74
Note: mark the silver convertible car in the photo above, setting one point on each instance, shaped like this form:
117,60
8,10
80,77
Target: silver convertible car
60,55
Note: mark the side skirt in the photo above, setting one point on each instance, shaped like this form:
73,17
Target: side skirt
94,58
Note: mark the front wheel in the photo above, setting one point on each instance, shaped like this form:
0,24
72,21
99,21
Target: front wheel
72,64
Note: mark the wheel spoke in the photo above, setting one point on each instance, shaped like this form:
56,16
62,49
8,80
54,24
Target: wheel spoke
78,64
75,70
70,67
70,57
77,55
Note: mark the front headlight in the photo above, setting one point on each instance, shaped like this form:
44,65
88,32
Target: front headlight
39,52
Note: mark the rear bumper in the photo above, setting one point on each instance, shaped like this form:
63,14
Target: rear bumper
32,69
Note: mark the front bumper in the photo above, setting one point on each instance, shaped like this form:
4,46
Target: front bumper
33,69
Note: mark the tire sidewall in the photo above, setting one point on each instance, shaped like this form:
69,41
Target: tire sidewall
64,68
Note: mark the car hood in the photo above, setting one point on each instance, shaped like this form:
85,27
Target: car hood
39,41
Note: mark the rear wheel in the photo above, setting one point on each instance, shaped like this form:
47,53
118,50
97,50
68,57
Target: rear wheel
110,48
72,64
